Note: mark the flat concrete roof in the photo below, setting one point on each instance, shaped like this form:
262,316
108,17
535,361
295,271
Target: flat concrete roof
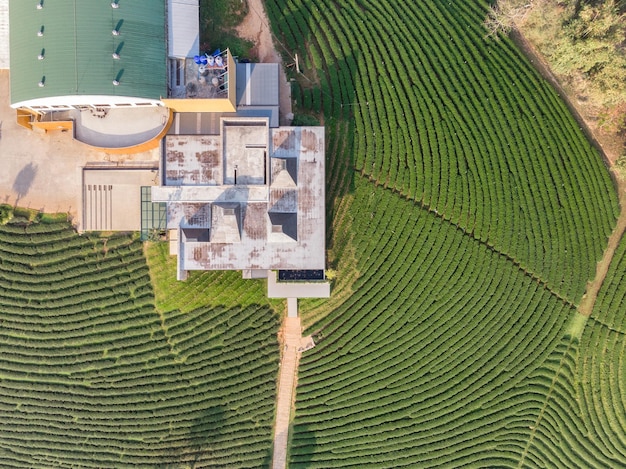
183,194
245,152
117,127
192,160
112,198
276,223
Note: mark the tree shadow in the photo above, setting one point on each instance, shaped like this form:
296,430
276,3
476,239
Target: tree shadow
327,91
205,429
24,180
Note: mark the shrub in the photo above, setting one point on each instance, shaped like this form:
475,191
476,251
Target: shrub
6,214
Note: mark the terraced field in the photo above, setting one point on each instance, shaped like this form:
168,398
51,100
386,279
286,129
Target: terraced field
472,212
92,375
601,374
466,213
416,99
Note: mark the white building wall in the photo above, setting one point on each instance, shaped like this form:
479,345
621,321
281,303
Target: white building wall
4,34
56,103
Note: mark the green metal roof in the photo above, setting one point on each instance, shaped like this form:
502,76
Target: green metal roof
78,46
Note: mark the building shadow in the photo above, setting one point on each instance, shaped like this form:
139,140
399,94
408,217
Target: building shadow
23,181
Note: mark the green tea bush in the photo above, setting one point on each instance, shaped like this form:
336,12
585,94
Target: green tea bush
94,376
467,211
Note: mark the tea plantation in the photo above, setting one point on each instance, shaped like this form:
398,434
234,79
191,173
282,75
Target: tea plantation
467,213
93,375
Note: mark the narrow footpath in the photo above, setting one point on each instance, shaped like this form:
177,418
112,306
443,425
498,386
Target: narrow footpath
255,27
589,298
588,301
292,336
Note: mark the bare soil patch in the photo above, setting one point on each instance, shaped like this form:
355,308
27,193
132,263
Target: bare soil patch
255,27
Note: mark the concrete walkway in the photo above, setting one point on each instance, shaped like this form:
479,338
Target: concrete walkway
288,368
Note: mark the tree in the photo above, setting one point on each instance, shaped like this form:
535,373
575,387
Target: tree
505,14
6,214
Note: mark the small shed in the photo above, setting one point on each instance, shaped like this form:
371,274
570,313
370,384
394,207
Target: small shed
183,28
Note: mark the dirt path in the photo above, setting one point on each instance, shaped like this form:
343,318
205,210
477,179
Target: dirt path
255,27
292,336
593,287
589,298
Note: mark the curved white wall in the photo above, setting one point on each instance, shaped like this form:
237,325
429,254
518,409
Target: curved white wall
57,103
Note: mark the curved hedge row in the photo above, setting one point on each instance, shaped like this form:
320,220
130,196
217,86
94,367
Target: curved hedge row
417,99
602,369
434,371
439,350
91,375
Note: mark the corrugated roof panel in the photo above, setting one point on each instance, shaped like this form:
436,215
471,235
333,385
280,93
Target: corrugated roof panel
4,33
183,28
78,46
257,84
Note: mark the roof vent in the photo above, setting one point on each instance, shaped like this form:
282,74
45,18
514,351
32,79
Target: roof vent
40,32
41,57
116,82
114,5
116,55
41,83
115,32
40,5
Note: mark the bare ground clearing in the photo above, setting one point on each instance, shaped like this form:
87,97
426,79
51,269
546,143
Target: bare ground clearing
255,27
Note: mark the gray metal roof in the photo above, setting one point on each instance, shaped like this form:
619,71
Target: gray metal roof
257,84
183,19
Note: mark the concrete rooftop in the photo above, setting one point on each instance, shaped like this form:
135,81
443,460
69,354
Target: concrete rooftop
116,127
272,218
112,197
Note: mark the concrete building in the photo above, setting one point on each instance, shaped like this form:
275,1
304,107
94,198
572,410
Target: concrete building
96,69
236,191
249,197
